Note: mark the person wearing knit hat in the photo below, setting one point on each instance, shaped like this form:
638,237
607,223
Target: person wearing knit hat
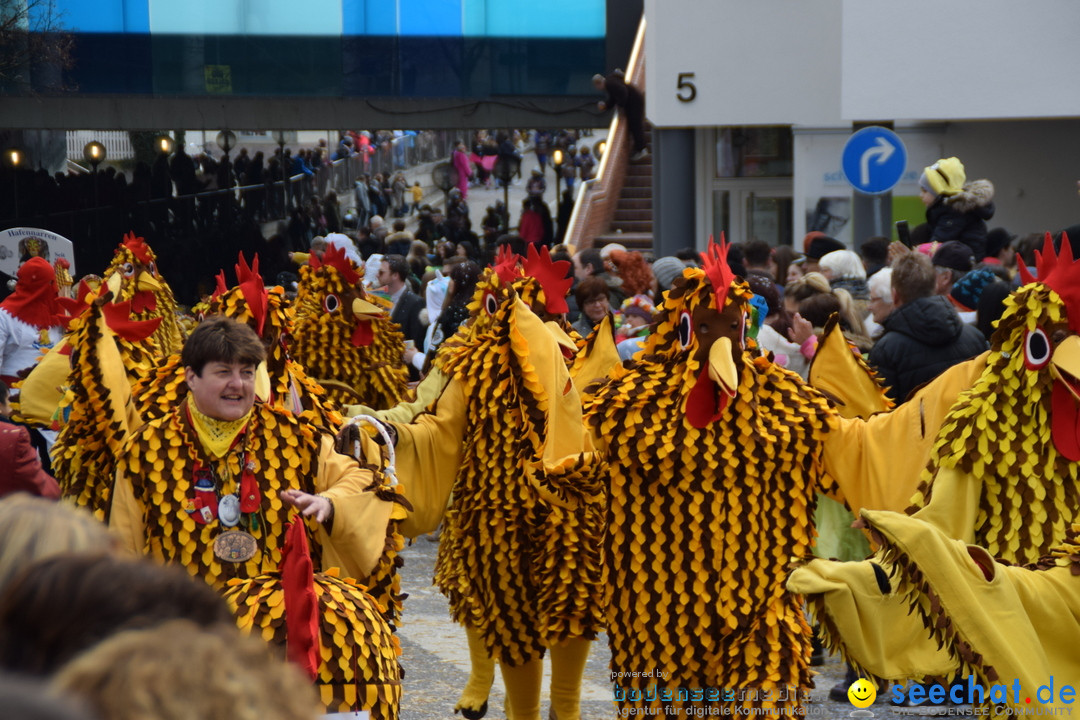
956,209
636,319
818,248
666,269
952,261
30,319
966,292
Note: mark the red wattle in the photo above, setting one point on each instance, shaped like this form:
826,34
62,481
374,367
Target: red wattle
301,602
143,301
1065,422
362,334
704,405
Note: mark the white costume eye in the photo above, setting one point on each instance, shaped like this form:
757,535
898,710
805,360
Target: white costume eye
127,269
331,303
490,304
1036,349
686,329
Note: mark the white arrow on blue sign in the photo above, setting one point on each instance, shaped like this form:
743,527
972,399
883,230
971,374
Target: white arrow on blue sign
874,160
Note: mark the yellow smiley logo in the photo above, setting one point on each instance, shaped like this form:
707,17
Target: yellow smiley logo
862,693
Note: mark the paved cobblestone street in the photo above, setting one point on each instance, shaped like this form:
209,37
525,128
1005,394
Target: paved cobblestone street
436,661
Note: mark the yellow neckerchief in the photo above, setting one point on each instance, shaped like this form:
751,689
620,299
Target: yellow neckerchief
216,436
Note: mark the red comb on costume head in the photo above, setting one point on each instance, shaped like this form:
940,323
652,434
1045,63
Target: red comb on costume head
254,291
221,287
717,269
506,264
118,318
1059,272
335,257
552,277
138,248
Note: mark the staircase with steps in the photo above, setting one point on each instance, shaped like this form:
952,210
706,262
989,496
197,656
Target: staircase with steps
616,206
632,223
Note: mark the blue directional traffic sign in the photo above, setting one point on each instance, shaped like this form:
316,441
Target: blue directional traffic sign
874,160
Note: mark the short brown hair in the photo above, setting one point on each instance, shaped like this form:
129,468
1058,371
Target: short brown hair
221,339
588,289
62,605
913,277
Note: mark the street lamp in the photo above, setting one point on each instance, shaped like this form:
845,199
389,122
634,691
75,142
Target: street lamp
14,157
506,167
94,153
599,148
164,144
226,140
557,160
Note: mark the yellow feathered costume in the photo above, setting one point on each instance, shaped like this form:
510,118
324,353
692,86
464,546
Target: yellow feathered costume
1002,485
344,337
141,321
715,457
519,552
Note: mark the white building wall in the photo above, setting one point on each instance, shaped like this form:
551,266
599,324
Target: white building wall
754,62
1034,166
994,82
962,59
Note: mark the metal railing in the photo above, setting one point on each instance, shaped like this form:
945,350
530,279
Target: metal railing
117,143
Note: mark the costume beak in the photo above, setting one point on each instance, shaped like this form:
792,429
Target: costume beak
148,282
1065,364
363,307
569,349
722,368
262,382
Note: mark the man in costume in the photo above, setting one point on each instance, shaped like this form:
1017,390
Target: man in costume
211,484
979,575
715,456
519,555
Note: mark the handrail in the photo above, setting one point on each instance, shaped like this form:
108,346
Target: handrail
596,199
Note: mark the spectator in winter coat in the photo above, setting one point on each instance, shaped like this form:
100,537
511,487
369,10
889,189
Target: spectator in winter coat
956,209
924,335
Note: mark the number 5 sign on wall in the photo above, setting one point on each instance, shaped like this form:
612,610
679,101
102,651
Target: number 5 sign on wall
687,90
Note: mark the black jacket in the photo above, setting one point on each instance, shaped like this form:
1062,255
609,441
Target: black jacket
922,339
963,217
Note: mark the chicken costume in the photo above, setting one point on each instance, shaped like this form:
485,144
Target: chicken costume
352,349
140,319
715,457
986,562
266,311
205,494
519,552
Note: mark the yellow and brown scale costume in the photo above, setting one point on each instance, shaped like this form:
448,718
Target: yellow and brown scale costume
1001,434
84,456
712,481
133,276
152,514
519,552
266,311
357,357
141,313
291,390
999,497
